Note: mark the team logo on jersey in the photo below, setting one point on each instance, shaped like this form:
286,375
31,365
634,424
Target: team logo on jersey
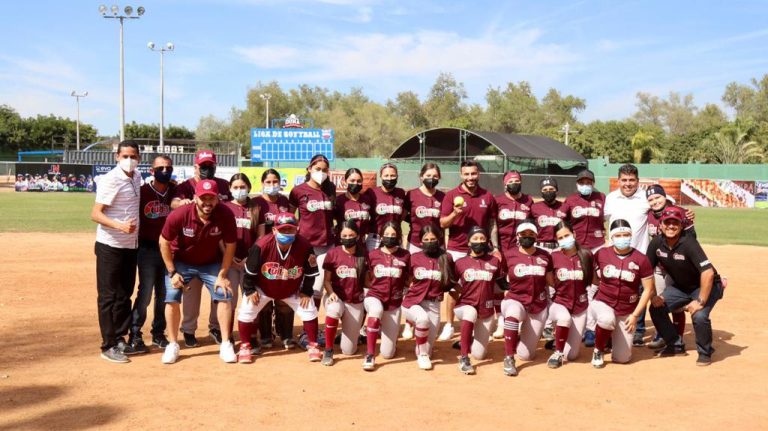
525,207
424,212
345,271
633,266
678,256
314,205
541,261
479,275
244,223
156,209
382,209
567,274
705,263
579,212
188,231
420,273
523,270
356,215
380,271
490,267
398,262
483,204
661,253
275,271
546,221
270,216
507,214
611,271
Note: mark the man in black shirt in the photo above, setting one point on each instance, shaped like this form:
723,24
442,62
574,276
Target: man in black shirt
696,285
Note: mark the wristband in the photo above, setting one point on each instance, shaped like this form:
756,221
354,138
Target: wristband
172,273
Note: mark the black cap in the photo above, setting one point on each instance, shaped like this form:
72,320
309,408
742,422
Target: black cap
586,173
548,181
655,190
476,229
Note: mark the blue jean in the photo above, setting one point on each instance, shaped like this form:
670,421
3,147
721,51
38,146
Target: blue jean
151,278
206,273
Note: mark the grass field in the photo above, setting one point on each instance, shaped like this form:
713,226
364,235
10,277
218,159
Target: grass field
63,212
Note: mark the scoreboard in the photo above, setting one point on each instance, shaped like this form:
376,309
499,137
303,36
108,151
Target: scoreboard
290,145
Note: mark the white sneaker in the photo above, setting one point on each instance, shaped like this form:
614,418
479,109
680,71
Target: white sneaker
171,353
407,331
447,332
227,352
499,332
424,362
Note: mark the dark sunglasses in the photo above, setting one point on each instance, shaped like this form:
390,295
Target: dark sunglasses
163,169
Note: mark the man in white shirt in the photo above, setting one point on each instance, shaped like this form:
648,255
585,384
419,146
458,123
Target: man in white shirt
116,211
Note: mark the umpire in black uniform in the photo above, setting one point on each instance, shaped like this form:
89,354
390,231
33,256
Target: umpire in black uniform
696,285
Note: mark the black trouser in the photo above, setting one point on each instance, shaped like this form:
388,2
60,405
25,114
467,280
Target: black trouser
283,315
674,299
151,279
115,279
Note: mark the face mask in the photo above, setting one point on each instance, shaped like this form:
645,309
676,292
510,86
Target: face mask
207,172
431,248
584,189
549,197
430,183
318,176
389,184
239,194
128,165
526,241
622,243
477,247
285,238
348,242
354,188
514,188
163,177
389,241
271,190
567,243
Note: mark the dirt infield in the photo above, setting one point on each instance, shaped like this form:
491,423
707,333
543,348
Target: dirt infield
51,376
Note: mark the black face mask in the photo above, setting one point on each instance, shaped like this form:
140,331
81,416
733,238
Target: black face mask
349,242
478,247
431,248
514,188
430,183
526,241
163,177
389,241
354,188
389,184
207,172
549,197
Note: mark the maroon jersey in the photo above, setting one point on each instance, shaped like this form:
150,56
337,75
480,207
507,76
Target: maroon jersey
527,277
571,281
479,209
425,276
360,210
390,272
386,206
547,217
509,213
246,229
281,278
268,210
585,213
620,278
154,209
654,221
345,281
422,210
194,242
186,190
315,214
477,276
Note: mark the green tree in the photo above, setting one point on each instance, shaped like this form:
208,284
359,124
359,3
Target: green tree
733,145
445,102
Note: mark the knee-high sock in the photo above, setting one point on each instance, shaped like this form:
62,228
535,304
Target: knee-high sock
372,332
331,326
421,334
247,329
602,336
311,327
679,319
467,328
511,335
561,336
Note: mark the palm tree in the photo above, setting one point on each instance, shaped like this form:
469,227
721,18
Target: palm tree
645,148
732,145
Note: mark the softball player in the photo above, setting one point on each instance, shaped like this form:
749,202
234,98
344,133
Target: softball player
432,275
390,271
388,201
617,304
345,268
354,205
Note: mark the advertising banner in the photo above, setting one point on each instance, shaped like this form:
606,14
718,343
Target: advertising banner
53,177
292,177
718,193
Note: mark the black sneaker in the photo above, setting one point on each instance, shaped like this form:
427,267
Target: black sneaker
672,350
138,345
456,345
159,341
465,366
266,343
703,360
190,340
637,340
113,354
509,366
550,345
125,348
216,335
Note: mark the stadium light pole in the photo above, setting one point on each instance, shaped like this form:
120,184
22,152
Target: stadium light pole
77,127
115,10
168,47
266,97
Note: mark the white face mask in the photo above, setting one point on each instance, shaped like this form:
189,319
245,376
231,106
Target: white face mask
239,194
319,176
128,165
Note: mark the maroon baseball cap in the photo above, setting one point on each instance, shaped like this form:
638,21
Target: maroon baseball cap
285,219
672,213
205,156
206,187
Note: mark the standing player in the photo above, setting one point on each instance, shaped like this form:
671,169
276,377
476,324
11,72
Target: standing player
467,206
584,211
422,205
477,273
388,201
547,214
390,272
354,205
617,305
279,266
155,198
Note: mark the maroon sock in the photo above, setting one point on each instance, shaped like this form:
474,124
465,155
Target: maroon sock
511,335
561,336
601,337
372,334
246,331
421,335
331,326
467,328
311,327
679,319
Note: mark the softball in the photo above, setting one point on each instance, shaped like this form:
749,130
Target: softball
458,201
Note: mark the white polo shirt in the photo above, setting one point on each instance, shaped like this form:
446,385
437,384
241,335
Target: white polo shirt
120,195
633,209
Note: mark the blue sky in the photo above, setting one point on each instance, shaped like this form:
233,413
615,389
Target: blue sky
602,51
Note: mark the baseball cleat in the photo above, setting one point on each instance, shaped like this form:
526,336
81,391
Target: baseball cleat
407,331
369,363
548,334
327,358
314,352
244,356
447,332
556,360
171,353
499,332
227,352
425,363
597,359
509,366
465,366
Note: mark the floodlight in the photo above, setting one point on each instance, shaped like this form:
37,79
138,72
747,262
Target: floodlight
115,9
103,9
73,93
128,10
151,45
169,46
140,10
